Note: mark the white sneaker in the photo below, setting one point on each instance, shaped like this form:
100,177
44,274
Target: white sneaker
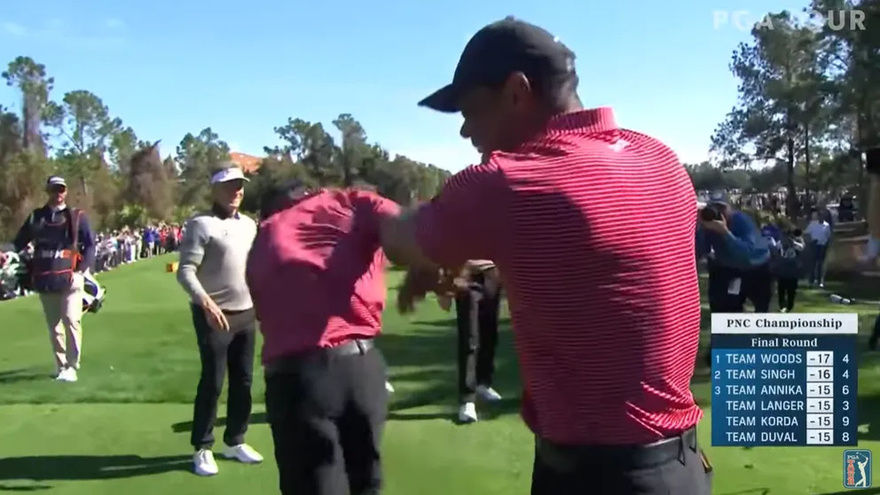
389,387
783,310
488,394
467,413
243,453
67,375
204,463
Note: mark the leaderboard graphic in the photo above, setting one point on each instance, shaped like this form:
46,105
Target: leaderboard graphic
784,379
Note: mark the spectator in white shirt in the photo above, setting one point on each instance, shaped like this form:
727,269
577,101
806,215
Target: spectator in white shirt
819,232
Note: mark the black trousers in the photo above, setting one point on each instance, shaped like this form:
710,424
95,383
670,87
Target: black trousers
477,319
756,285
787,288
327,410
817,262
677,466
221,351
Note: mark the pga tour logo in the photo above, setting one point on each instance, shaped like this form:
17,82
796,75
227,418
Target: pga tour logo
744,20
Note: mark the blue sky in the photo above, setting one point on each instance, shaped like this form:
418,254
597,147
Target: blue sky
171,67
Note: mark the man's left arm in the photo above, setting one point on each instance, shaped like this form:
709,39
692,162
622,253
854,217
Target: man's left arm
86,244
744,241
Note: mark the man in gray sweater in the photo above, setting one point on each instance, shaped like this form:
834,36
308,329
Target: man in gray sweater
213,257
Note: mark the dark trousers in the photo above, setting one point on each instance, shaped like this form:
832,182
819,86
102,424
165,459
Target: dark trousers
875,335
787,289
677,466
221,351
477,319
327,410
756,285
817,262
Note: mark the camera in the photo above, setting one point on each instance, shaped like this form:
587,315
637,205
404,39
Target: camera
872,161
710,213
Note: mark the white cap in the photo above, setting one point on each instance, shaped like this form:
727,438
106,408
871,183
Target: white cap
56,181
228,174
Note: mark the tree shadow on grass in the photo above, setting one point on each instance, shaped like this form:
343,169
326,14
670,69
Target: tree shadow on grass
187,426
21,375
868,417
869,491
83,467
422,364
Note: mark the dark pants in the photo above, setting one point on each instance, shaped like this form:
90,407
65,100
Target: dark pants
676,466
756,285
477,319
875,335
817,262
221,351
327,410
787,289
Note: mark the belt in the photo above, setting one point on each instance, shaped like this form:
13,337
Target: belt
569,457
292,362
53,253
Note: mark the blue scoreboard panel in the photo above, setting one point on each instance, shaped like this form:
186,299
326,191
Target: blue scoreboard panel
784,379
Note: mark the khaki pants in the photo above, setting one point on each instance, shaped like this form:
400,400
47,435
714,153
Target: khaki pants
63,312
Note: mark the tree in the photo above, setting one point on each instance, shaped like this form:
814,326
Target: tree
149,184
10,135
310,145
121,179
781,92
352,147
83,123
31,79
197,157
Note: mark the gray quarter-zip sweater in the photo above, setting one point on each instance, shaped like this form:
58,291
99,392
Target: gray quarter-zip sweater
213,257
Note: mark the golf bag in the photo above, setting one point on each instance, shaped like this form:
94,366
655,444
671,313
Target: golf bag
93,294
10,276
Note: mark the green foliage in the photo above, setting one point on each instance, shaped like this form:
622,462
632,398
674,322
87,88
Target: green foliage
808,100
122,180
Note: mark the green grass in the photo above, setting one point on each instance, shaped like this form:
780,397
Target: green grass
123,428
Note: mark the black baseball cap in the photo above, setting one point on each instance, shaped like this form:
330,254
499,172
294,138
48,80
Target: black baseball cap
498,50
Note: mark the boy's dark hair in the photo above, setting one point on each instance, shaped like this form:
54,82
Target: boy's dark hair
273,197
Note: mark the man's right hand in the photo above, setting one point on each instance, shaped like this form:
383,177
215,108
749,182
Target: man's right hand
215,315
3,258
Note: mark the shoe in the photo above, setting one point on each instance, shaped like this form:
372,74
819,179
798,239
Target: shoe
67,375
488,394
783,310
204,463
389,387
467,413
243,453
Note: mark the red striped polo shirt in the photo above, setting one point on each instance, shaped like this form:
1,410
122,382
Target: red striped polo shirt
592,227
316,272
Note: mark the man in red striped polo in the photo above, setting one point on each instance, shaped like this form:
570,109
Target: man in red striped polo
604,300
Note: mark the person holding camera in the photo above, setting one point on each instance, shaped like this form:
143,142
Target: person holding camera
738,257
